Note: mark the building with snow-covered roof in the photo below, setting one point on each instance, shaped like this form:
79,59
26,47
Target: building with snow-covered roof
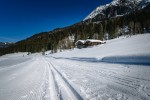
89,42
80,43
92,42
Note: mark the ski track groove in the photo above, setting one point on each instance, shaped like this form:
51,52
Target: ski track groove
127,81
56,86
54,89
71,92
131,83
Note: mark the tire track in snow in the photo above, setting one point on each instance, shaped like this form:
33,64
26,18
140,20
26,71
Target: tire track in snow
62,86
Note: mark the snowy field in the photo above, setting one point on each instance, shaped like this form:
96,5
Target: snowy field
117,70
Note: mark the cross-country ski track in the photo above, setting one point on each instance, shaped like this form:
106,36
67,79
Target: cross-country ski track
46,78
106,72
60,87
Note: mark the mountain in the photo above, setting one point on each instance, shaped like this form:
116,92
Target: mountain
5,44
116,8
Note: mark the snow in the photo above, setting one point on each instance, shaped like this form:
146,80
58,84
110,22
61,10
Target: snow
117,70
99,10
115,2
82,41
22,80
93,40
144,3
123,46
89,40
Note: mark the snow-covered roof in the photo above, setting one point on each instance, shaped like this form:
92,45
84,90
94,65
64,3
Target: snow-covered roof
90,40
82,41
93,40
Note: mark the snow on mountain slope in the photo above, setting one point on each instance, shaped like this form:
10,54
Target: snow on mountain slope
144,3
128,5
97,11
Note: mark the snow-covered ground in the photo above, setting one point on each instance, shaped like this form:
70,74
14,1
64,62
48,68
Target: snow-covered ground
117,70
22,78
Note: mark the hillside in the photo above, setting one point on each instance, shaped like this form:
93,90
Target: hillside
5,44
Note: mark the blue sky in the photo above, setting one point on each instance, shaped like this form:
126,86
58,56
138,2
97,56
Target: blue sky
20,19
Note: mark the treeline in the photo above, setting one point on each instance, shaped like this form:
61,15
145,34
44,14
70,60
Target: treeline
64,38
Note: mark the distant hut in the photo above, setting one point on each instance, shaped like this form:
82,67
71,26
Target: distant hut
80,44
93,42
89,42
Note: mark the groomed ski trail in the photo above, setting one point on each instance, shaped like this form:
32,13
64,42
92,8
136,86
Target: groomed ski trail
60,88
